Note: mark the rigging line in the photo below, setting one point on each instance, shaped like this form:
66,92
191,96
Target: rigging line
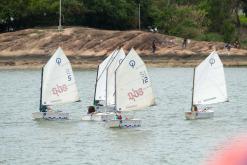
109,62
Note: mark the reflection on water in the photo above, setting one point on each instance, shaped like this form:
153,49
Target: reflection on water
164,138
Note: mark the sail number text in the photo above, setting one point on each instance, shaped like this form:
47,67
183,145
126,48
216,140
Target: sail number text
69,74
144,77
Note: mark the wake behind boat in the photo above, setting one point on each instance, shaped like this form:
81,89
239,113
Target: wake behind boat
209,87
58,87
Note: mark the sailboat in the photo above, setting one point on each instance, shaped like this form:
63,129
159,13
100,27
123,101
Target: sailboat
105,82
209,87
58,87
104,89
133,90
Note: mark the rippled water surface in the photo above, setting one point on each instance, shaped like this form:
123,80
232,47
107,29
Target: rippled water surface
164,138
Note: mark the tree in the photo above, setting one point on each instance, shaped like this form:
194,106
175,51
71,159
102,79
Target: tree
110,14
244,6
220,14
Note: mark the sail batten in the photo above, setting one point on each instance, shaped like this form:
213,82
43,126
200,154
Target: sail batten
210,84
133,84
59,86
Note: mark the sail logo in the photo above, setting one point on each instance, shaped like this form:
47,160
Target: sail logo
132,63
135,94
59,89
58,61
211,61
144,77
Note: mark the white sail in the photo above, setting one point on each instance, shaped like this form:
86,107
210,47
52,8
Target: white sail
133,85
209,81
59,84
100,92
110,85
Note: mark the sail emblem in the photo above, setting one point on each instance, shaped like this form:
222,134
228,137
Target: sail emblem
211,61
58,61
132,63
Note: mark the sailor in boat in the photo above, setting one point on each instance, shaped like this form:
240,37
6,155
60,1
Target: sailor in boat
91,110
118,116
45,108
194,108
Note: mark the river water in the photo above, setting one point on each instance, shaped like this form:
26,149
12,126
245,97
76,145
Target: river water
164,138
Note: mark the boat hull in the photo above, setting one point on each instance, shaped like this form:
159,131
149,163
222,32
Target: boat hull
98,117
53,115
127,123
104,116
199,115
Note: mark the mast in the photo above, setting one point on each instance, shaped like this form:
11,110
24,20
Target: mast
116,83
193,89
106,86
96,81
107,72
41,86
116,89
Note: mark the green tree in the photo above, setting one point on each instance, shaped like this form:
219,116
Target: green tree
110,14
12,11
185,21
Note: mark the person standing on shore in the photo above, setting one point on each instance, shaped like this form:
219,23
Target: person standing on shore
184,45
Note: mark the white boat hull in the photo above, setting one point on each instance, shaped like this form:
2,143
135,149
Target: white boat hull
53,115
199,115
127,123
98,117
104,116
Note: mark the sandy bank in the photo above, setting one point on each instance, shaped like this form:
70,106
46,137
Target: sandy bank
87,47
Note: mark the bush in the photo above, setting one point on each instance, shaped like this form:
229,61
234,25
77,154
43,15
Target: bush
228,31
184,21
210,37
243,20
243,44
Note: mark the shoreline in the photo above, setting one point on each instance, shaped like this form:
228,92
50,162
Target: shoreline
87,47
89,62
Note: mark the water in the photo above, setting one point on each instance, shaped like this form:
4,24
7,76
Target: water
164,138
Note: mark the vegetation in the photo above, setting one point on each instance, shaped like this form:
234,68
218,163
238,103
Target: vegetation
216,20
243,20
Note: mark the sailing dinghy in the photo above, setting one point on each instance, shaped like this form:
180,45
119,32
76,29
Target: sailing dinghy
133,90
209,87
58,87
104,96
